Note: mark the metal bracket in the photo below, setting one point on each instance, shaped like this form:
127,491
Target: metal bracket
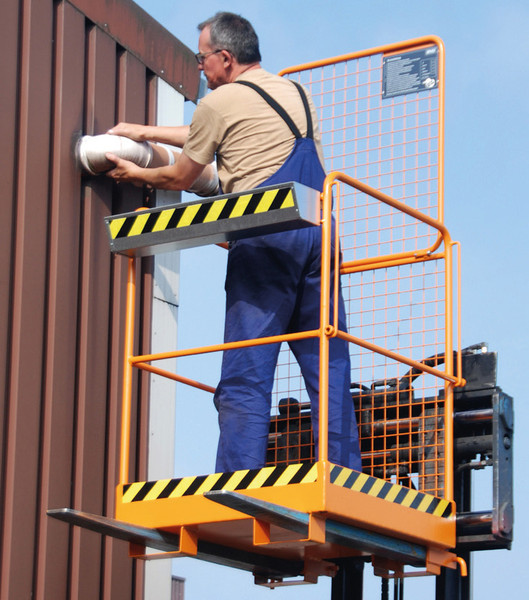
312,570
187,546
335,532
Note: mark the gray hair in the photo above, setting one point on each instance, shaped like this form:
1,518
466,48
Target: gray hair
234,33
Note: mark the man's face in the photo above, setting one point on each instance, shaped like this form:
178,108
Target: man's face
213,65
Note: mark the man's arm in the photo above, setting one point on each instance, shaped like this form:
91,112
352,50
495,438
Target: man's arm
174,136
179,176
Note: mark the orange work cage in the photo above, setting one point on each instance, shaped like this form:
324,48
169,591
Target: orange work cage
381,120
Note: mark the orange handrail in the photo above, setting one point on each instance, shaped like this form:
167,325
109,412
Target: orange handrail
386,49
135,360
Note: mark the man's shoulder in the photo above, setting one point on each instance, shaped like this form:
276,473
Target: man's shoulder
219,96
259,76
268,81
227,96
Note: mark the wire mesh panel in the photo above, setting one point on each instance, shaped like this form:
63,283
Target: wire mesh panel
394,277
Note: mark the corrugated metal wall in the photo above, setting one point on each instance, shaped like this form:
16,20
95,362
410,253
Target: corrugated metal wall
68,68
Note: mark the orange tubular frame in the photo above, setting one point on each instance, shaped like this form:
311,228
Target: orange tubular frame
326,330
127,373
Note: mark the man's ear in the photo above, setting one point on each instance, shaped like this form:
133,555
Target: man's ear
227,58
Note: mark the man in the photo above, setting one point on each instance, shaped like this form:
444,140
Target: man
263,130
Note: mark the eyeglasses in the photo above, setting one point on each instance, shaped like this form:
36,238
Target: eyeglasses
202,55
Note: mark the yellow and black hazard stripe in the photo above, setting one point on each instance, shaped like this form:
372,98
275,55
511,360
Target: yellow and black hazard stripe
239,480
392,492
158,220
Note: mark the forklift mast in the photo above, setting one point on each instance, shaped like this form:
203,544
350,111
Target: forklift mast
430,415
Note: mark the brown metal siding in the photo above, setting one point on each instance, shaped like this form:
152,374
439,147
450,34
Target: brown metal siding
62,293
144,37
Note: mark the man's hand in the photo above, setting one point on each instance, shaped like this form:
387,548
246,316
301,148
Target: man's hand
179,176
133,131
125,171
174,136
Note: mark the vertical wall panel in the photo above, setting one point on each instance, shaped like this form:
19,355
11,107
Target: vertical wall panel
29,288
9,30
96,367
91,399
130,106
62,309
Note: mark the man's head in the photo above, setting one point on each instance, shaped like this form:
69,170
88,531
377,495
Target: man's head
228,45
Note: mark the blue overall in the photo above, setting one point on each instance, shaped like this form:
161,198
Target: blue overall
272,288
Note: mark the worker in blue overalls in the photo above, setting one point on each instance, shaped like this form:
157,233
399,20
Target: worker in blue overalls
262,130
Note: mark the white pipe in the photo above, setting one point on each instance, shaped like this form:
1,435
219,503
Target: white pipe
91,151
91,154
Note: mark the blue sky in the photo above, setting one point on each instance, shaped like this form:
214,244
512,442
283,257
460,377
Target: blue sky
486,199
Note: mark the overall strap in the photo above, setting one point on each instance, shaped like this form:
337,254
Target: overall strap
281,111
310,132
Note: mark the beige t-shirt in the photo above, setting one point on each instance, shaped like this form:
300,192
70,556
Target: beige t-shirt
250,140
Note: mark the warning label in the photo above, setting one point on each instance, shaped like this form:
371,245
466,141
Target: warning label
410,72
